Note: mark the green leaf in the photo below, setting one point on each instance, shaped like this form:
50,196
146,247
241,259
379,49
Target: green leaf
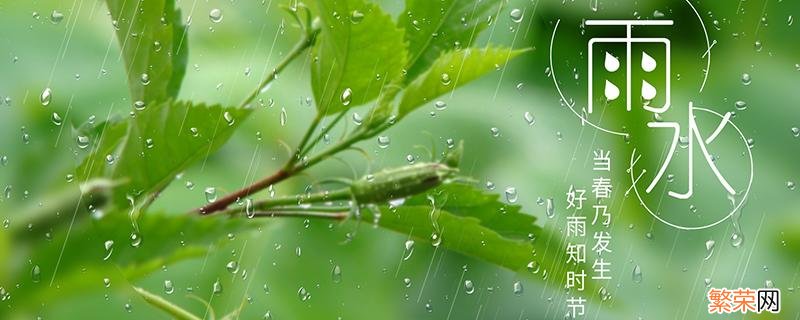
84,262
359,50
451,71
478,225
170,308
153,42
158,143
438,26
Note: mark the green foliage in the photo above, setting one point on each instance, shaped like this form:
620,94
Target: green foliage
451,71
159,142
81,263
153,42
359,50
466,220
436,27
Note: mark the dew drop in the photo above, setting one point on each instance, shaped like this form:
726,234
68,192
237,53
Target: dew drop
356,17
216,288
445,79
740,105
469,287
529,118
336,274
228,118
709,249
136,240
518,288
211,194
511,195
215,15
357,120
56,17
83,142
46,97
550,208
383,142
347,96
746,80
109,247
56,119
169,288
637,274
409,249
36,274
516,15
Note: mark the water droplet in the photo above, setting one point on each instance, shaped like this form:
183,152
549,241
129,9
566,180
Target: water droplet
511,195
736,239
216,288
383,142
169,288
356,17
637,274
357,120
407,282
36,274
145,78
232,267
740,105
336,274
709,249
440,105
110,159
409,249
796,131
550,208
248,208
56,17
436,239
228,118
746,79
529,118
211,194
303,294
534,267
495,132
469,287
516,15
683,142
445,79
790,185
215,15
57,119
106,282
518,288
769,284
109,246
347,95
46,97
139,105
707,281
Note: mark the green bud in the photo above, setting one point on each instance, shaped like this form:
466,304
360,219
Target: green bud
401,182
453,157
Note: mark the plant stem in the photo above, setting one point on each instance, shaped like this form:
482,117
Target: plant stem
305,43
298,151
302,214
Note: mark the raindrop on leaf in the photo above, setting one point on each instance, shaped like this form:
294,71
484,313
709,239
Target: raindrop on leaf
46,97
215,15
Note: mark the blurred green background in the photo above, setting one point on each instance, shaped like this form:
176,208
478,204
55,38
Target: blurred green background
78,57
